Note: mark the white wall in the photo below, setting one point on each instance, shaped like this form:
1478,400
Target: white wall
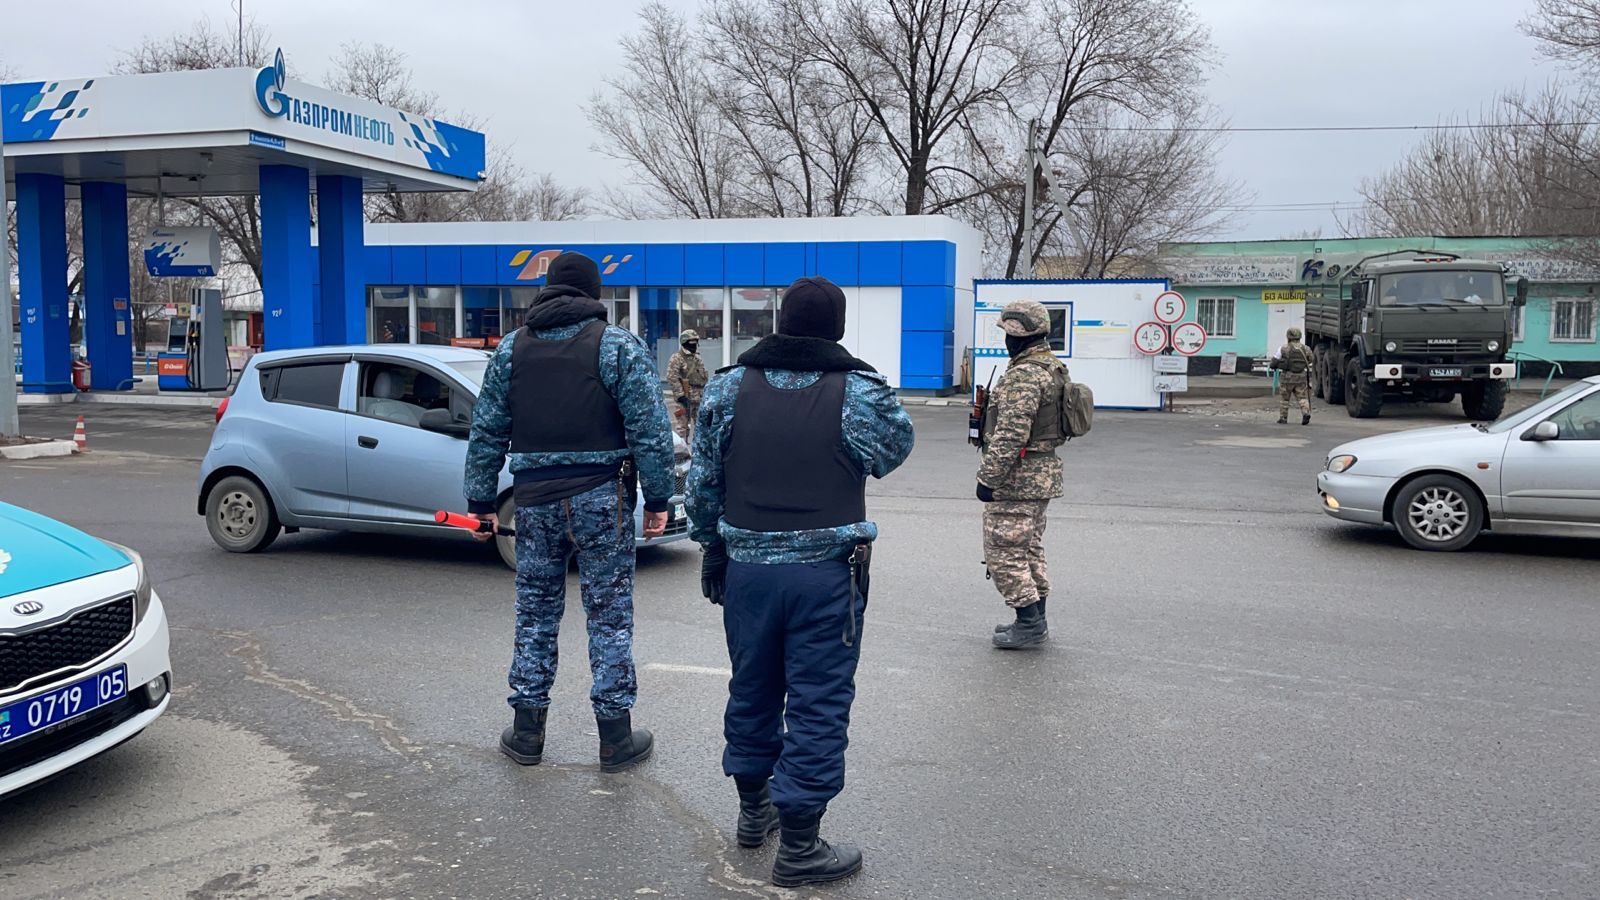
872,328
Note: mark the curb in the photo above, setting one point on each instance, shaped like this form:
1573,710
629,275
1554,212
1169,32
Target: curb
37,451
150,400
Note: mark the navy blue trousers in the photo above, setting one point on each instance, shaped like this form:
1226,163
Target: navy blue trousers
794,649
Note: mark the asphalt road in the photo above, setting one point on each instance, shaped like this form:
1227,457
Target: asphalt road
1241,699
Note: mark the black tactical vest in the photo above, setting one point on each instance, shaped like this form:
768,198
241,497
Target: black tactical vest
786,467
558,402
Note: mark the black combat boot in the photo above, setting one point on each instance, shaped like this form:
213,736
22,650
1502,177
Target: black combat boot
524,740
1000,629
1305,418
1283,419
622,745
757,816
1029,630
804,858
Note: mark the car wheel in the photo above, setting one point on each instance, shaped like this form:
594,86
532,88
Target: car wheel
507,545
1363,397
1437,512
240,517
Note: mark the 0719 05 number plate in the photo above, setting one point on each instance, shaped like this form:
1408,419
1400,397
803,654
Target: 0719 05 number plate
24,717
1444,373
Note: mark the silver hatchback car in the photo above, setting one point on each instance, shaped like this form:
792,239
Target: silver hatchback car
368,438
1533,472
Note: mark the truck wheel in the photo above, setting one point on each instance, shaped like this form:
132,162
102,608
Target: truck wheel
1363,397
240,517
1437,512
1330,370
1483,401
1319,377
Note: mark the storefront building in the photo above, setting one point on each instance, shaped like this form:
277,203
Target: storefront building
908,280
1246,294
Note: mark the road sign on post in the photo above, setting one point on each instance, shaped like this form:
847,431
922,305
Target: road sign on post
1150,338
1172,365
1172,384
1170,307
1188,338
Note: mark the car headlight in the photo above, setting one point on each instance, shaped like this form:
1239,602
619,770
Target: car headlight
141,594
1493,346
1341,463
1391,347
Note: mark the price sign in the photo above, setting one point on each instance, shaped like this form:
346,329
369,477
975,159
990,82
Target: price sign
1188,338
1150,338
1170,307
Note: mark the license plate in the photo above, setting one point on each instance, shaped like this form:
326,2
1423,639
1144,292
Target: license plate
24,717
1444,373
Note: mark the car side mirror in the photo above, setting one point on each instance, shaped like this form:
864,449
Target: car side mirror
1544,431
441,422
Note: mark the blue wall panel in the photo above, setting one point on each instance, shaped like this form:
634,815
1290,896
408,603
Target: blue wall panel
702,264
744,265
444,265
378,267
925,359
410,265
107,320
927,308
785,263
42,279
288,268
663,264
341,261
840,262
880,263
928,262
477,265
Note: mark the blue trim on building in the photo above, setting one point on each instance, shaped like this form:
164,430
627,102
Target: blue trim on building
42,283
107,314
341,261
288,306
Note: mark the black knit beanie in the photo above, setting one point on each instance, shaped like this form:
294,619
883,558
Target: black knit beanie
812,307
576,271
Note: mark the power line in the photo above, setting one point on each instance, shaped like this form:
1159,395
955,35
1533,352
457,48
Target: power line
1311,129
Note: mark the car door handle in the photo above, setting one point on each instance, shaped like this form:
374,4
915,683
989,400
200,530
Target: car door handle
370,443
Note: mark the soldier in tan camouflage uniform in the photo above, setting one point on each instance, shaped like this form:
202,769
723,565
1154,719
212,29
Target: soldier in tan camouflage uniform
1294,361
686,374
1020,473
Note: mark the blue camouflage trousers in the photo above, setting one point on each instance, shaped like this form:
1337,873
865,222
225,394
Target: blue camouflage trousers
596,527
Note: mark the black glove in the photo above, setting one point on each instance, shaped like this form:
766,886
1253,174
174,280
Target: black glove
985,493
714,573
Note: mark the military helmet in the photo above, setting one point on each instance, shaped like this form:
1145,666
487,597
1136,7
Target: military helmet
689,334
1025,318
1294,334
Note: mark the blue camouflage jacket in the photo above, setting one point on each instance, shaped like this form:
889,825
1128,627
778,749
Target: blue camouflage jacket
877,435
628,372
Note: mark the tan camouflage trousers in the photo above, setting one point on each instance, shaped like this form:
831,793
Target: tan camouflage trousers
683,418
1013,548
1291,392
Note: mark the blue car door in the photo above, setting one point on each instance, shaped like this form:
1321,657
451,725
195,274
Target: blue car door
406,442
305,444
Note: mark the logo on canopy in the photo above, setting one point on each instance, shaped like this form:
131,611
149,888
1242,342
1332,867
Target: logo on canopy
269,88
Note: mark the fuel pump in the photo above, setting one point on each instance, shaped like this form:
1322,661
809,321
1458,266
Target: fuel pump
196,358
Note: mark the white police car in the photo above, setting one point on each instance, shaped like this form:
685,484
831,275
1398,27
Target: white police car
83,647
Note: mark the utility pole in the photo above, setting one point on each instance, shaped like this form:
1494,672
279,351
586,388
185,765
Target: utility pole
1027,200
9,427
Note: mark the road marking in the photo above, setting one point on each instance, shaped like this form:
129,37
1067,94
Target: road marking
688,670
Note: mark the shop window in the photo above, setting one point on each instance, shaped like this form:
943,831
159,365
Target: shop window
436,315
618,302
700,309
1215,315
1572,320
480,313
390,315
755,315
1058,328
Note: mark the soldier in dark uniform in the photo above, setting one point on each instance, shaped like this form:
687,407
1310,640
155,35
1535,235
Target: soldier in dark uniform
779,505
578,405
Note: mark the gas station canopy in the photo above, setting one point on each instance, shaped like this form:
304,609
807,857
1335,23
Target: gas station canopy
209,132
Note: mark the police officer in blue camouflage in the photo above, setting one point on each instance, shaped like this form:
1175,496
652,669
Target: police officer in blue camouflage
777,499
578,405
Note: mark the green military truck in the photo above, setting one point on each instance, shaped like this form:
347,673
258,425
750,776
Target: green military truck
1413,324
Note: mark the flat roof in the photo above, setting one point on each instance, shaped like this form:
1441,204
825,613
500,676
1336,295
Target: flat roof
208,132
676,231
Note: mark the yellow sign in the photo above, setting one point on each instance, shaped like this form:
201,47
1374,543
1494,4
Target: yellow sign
1297,295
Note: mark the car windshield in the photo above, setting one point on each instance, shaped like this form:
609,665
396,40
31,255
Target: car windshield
471,369
1444,287
1541,409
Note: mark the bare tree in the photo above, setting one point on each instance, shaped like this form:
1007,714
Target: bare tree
1567,30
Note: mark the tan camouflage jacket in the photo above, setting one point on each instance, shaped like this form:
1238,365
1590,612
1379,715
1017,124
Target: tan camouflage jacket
1014,475
686,367
1281,363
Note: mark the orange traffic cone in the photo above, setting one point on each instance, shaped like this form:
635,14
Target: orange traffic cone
80,437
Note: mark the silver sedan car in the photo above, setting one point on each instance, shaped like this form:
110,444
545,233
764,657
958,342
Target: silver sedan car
368,438
1532,472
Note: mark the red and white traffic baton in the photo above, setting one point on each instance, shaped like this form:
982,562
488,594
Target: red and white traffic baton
482,526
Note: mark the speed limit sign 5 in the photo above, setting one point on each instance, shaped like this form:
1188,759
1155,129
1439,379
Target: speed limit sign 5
1170,307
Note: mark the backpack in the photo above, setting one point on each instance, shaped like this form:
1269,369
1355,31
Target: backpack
1072,415
1077,408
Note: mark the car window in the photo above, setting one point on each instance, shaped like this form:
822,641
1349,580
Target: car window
1580,421
400,393
314,384
1538,412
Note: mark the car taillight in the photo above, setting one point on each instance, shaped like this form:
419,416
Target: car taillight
222,407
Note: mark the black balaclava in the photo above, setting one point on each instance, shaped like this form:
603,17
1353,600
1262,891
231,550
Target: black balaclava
691,346
1017,345
812,307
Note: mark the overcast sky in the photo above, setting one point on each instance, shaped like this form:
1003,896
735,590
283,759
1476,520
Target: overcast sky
530,68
